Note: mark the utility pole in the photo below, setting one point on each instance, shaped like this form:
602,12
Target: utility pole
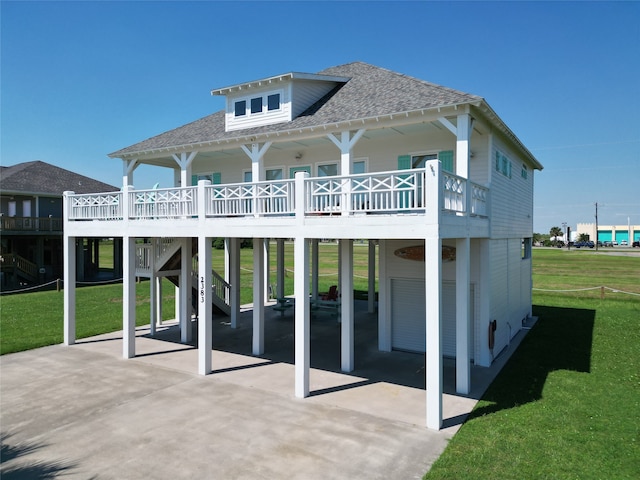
596,226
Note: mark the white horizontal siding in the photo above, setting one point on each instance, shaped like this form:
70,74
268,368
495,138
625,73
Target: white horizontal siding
306,93
511,198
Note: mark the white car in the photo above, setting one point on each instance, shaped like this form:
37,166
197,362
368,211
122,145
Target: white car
624,243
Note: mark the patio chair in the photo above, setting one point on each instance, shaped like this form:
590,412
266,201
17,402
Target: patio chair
332,294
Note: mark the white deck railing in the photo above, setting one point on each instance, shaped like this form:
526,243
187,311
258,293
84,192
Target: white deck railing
394,193
95,206
163,203
241,199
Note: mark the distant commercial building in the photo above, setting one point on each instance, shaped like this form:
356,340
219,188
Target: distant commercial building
611,233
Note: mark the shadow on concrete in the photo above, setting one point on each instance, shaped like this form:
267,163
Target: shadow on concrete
13,466
561,340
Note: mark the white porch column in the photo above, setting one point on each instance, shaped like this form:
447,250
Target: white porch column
302,317
234,280
280,275
315,274
256,154
128,166
129,298
184,161
463,137
347,338
69,275
371,293
186,334
258,297
346,144
463,316
205,310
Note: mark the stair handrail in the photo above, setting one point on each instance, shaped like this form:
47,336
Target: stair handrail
20,263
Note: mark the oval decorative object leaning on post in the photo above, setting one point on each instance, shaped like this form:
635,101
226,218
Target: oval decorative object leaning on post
416,252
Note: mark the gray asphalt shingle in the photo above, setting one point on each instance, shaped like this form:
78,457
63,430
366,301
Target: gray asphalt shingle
42,177
371,91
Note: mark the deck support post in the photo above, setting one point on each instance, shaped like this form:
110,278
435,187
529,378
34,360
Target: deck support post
433,309
234,280
433,294
463,316
186,334
346,311
205,310
129,298
69,271
280,271
315,274
258,296
302,317
371,291
153,289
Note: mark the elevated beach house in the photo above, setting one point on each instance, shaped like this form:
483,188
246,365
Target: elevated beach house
430,175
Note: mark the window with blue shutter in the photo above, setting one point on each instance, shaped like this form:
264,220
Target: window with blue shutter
446,159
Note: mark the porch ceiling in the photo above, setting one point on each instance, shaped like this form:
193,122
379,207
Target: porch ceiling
221,152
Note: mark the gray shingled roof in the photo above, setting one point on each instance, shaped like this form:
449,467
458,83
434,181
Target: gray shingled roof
371,91
43,178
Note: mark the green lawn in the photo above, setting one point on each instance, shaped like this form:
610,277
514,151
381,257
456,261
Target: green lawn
32,320
567,405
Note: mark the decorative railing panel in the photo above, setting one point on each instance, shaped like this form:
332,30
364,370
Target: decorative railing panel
163,203
479,195
372,193
96,206
454,190
261,198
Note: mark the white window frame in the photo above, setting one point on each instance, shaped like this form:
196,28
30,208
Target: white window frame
322,164
364,160
265,105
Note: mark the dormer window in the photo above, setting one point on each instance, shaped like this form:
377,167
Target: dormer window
257,105
273,102
241,108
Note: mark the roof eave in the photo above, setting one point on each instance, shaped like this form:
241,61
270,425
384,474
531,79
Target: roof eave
276,79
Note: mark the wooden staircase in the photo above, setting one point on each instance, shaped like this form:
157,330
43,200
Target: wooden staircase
169,259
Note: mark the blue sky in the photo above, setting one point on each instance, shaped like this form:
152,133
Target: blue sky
80,80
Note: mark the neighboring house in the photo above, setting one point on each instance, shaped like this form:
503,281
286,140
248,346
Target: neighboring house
31,223
431,175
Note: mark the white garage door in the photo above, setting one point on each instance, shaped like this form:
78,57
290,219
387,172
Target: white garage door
408,328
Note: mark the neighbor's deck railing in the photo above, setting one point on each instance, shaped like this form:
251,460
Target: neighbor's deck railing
394,193
31,224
